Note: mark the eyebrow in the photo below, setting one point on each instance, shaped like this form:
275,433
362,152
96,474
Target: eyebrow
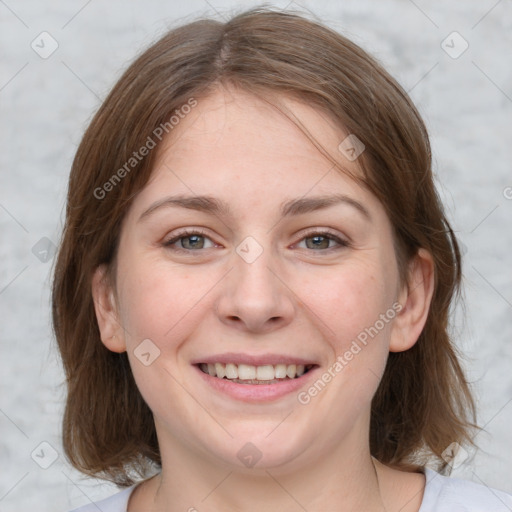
215,206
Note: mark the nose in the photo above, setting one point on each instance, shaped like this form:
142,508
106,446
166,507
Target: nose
255,297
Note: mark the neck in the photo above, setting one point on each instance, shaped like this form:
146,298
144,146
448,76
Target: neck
344,479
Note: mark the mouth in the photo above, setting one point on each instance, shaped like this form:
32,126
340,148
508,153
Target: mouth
255,375
255,379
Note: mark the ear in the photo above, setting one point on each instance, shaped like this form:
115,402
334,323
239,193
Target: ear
415,298
111,332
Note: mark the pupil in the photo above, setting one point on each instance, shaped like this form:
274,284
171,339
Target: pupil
320,241
195,241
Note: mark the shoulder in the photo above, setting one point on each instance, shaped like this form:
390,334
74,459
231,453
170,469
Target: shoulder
116,503
445,494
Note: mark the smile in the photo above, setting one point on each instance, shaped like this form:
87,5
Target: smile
255,378
251,374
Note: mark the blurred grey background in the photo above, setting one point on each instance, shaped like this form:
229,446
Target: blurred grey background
58,61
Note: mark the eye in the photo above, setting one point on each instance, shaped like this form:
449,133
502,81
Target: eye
189,240
323,240
193,240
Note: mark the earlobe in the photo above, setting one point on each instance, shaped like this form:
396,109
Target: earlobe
415,298
106,311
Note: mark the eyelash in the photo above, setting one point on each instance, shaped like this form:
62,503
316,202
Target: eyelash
186,233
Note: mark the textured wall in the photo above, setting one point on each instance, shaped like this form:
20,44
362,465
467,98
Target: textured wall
465,98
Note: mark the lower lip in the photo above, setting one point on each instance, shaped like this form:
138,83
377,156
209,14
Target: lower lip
256,392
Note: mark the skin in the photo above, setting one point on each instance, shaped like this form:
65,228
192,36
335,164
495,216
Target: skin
294,299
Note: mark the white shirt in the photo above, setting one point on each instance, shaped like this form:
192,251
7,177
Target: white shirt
442,494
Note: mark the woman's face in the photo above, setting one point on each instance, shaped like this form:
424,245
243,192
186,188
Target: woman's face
250,250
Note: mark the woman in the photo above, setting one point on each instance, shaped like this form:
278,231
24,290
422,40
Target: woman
251,296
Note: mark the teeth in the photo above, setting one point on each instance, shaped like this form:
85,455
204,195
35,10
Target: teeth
220,370
231,371
247,372
265,372
291,371
280,370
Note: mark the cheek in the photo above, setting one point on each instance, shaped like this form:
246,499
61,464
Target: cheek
161,301
355,307
162,304
147,297
348,301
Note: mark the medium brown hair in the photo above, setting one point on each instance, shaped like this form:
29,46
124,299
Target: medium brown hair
423,403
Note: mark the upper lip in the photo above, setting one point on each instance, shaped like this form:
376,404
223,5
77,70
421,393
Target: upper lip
254,360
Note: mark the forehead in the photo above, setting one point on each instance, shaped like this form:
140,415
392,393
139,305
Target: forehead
258,127
245,150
